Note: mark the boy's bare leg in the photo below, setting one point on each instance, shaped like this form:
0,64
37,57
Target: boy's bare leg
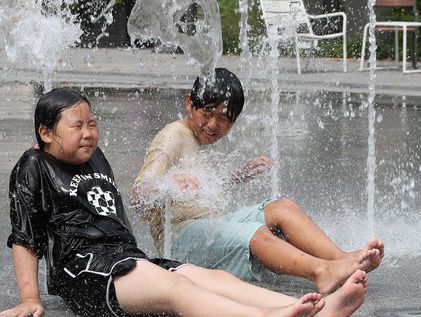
341,303
308,252
299,230
151,289
303,233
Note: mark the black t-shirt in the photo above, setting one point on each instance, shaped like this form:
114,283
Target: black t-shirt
72,215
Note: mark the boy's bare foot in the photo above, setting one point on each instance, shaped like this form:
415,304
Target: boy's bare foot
307,306
332,274
348,298
371,256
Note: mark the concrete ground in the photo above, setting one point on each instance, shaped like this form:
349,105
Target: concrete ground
125,68
393,291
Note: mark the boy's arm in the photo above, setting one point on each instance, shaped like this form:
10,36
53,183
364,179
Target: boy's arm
26,270
155,165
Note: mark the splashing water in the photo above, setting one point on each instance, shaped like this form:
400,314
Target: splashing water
100,13
167,227
212,195
275,95
35,34
245,53
107,14
371,156
166,20
199,35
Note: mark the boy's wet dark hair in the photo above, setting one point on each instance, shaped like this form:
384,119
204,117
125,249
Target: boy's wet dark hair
225,88
51,105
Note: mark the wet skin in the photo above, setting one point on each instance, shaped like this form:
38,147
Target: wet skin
75,137
208,124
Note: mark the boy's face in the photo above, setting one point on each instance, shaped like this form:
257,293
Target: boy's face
208,124
75,137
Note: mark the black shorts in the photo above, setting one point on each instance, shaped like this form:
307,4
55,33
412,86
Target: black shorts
93,295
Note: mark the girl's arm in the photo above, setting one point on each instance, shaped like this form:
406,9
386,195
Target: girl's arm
26,269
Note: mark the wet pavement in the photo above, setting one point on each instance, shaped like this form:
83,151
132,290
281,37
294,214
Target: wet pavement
322,145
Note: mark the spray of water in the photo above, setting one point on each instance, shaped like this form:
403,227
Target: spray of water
245,53
275,96
100,14
106,14
36,33
195,27
198,34
168,232
212,195
371,156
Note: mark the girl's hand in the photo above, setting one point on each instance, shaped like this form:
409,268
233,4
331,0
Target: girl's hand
28,308
185,181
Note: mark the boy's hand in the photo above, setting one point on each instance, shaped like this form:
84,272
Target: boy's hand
185,181
252,169
255,167
26,308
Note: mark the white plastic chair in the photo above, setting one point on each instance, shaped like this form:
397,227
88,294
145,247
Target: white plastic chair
395,26
294,10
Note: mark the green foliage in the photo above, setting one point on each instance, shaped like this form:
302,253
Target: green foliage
230,21
384,51
387,39
257,31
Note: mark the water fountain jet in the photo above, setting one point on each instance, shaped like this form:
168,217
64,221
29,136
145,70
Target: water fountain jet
165,20
36,33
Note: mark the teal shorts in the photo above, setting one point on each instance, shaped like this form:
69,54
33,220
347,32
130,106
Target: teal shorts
223,243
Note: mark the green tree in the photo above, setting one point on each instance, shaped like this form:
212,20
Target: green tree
230,21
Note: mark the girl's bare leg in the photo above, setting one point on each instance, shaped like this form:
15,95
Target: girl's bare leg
228,285
341,303
151,289
347,299
307,251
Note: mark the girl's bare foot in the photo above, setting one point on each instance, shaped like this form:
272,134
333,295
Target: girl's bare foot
332,274
307,306
348,298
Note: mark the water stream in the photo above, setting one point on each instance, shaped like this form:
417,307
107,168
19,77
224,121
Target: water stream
198,34
275,93
371,152
36,33
245,53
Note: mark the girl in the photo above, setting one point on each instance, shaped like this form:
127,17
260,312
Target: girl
65,206
276,234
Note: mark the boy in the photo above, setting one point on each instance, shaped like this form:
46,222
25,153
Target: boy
274,234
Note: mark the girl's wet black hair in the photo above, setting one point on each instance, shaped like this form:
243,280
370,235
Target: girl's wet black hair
50,106
225,88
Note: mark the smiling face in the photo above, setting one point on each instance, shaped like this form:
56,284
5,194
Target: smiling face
208,124
75,137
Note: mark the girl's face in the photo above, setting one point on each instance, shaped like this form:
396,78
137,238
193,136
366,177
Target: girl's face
208,124
75,136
